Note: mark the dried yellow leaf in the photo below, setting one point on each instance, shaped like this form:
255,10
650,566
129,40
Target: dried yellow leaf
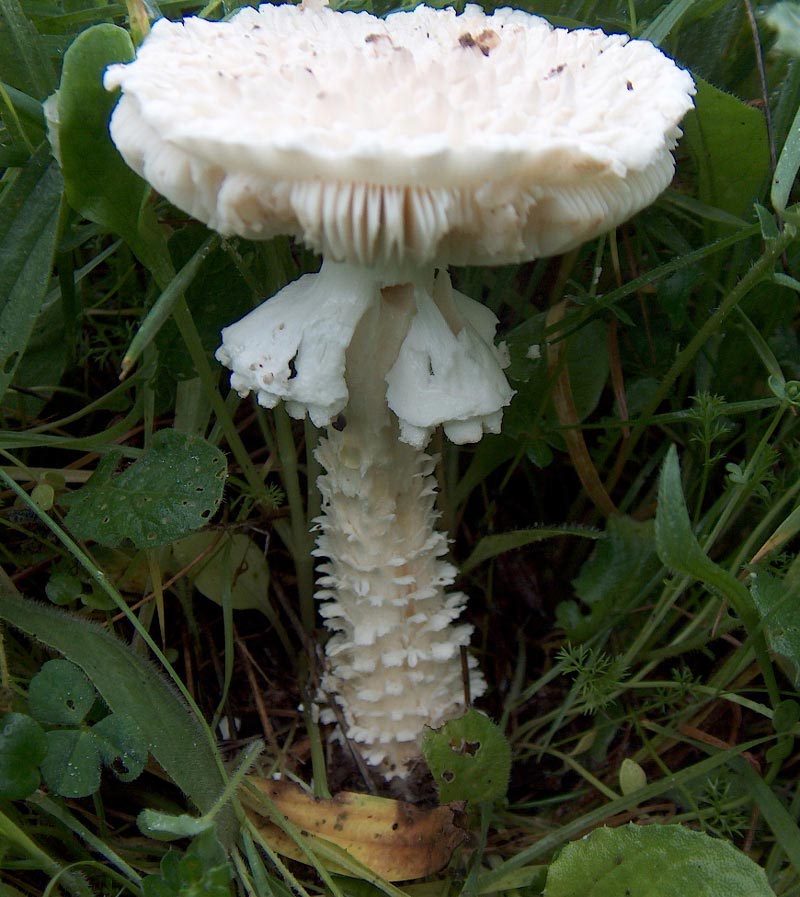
397,840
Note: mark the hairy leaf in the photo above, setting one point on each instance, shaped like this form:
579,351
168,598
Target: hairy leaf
654,860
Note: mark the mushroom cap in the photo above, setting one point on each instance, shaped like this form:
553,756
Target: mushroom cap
424,137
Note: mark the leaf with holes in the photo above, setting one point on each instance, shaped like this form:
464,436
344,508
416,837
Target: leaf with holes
122,748
174,489
469,758
60,694
72,765
22,749
613,862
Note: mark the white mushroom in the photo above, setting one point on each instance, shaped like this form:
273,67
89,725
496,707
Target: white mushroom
393,147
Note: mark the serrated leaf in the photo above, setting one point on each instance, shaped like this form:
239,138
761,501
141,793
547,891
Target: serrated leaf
60,694
174,489
469,758
28,230
491,546
620,861
72,765
234,563
22,748
122,748
730,147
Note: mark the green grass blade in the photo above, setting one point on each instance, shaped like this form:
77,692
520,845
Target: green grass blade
783,826
29,214
666,20
28,52
491,546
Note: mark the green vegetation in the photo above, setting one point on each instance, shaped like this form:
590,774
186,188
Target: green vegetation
629,543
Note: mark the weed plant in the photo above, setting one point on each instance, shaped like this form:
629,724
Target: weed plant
629,542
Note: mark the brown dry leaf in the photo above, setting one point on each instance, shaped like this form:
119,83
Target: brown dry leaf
395,839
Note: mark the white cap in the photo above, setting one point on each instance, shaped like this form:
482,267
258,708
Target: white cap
425,137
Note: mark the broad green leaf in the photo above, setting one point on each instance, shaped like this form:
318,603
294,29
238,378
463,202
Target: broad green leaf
22,748
99,184
654,861
586,358
234,563
122,748
730,148
60,694
491,546
131,686
469,758
174,489
72,765
785,19
63,588
613,577
778,606
28,230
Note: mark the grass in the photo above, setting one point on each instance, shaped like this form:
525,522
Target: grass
635,605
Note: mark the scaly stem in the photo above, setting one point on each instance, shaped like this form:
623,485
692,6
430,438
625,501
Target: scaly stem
395,661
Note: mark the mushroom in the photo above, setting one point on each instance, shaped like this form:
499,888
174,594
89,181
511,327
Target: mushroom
393,147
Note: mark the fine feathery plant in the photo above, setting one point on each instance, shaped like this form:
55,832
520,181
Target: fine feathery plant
628,541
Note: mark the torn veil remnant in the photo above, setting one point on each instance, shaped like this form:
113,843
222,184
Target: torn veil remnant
393,147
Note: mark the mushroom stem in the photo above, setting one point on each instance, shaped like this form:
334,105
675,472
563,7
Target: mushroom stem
395,663
381,357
